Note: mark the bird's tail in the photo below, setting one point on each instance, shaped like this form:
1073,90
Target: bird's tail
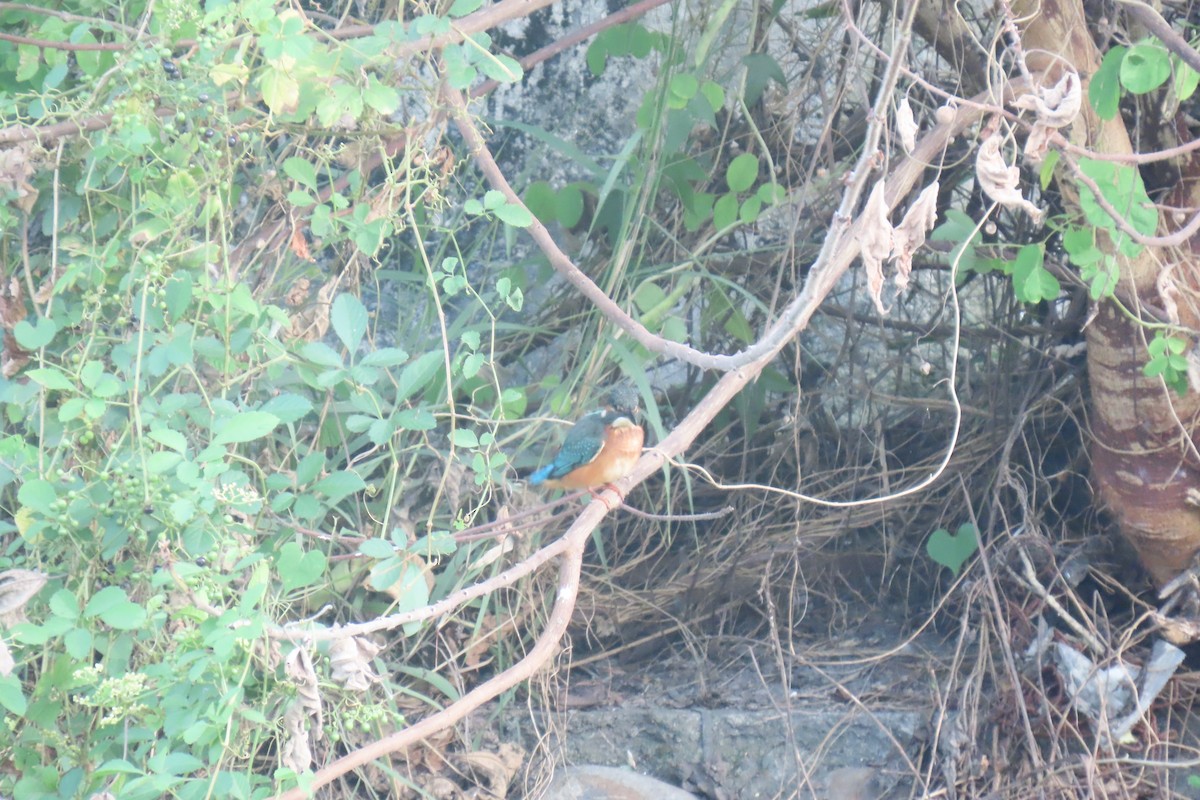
541,475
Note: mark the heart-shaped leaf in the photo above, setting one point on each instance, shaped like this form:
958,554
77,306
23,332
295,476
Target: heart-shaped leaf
298,568
34,337
953,550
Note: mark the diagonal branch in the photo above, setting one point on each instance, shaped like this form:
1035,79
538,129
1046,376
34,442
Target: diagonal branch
840,249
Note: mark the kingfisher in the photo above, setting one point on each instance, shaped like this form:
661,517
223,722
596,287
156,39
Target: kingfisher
600,448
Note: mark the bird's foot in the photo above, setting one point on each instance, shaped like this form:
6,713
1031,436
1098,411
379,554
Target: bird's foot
599,494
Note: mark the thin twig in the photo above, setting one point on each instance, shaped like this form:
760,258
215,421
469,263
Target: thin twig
702,516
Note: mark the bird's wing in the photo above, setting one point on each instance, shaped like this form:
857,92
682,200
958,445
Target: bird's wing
584,442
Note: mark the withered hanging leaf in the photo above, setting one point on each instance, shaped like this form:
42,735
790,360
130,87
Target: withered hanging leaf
350,659
298,667
14,358
12,304
16,167
1056,106
6,660
295,752
909,235
906,126
1000,181
875,238
17,588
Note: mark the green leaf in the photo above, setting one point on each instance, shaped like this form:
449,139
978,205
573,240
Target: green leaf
38,495
1186,79
960,229
379,96
381,430
34,336
301,171
501,68
952,551
751,208
460,8
515,215
287,407
297,568
280,91
472,364
310,467
541,200
338,485
714,94
51,378
415,419
761,69
115,609
725,211
349,319
169,438
684,86
742,172
29,61
300,198
596,57
384,357
570,205
246,427
1032,282
65,604
1146,66
377,548
1104,90
321,354
1046,173
182,510
1122,186
771,193
438,543
405,581
418,374
11,695
464,437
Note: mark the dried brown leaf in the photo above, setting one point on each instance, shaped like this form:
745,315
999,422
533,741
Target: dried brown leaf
312,323
12,304
14,357
16,168
298,667
350,662
1000,181
17,588
906,126
295,751
6,660
492,773
1056,106
909,235
299,245
875,239
1167,292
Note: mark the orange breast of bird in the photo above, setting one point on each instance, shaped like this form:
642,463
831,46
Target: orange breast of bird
622,449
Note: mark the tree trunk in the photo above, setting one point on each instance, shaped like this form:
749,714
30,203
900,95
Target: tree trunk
1144,458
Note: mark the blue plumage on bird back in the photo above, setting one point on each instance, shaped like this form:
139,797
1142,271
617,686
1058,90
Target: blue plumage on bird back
584,442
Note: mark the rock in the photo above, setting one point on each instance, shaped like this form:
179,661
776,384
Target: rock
609,783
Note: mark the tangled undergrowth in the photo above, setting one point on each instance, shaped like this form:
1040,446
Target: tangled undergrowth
278,354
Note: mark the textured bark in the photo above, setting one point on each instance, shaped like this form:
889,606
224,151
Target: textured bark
1143,451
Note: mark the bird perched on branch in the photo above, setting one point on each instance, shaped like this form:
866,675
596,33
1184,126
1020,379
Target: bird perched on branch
600,448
